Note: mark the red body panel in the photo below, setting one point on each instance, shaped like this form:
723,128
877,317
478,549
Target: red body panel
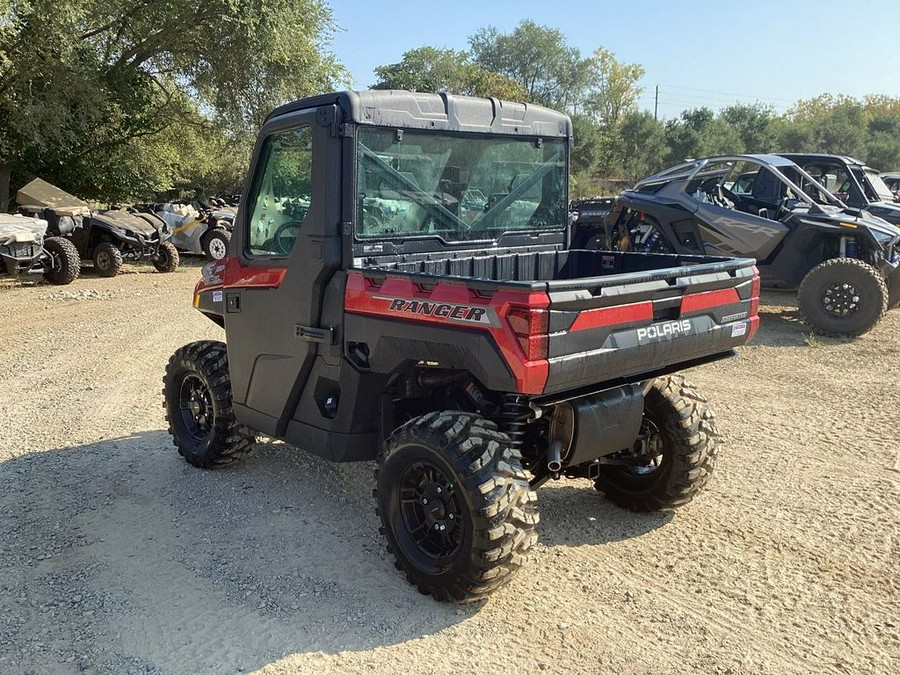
229,273
696,302
364,296
612,316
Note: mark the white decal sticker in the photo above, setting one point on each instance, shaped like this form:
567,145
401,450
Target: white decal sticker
659,331
739,329
217,296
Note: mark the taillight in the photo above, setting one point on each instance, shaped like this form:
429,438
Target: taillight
754,293
531,327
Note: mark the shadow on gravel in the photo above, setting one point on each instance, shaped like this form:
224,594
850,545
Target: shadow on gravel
780,322
573,513
120,557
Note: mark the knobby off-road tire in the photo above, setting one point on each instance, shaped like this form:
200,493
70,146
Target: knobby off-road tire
107,259
215,244
166,258
681,431
66,263
197,399
843,296
455,505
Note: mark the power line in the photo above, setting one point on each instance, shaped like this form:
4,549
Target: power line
726,94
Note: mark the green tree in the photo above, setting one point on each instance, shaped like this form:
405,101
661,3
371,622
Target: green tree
431,69
834,124
642,139
95,86
699,133
756,124
613,89
537,58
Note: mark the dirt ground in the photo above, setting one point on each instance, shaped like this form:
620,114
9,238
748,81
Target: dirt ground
118,557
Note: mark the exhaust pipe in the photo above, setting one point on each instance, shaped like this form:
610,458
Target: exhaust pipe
554,457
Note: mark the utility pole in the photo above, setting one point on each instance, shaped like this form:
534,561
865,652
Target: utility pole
656,104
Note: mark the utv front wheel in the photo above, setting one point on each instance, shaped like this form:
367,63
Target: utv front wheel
675,454
215,244
166,258
107,259
197,398
65,263
843,296
455,505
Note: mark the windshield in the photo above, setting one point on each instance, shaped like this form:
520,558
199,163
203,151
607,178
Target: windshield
457,186
875,187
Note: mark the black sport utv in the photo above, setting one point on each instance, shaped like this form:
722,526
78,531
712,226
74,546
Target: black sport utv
107,236
850,180
25,249
370,315
844,261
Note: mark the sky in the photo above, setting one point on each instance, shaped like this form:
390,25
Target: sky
699,53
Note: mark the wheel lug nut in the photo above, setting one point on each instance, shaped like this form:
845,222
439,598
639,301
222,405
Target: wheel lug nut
450,516
438,488
424,500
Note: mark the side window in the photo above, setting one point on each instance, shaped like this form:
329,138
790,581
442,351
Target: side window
281,192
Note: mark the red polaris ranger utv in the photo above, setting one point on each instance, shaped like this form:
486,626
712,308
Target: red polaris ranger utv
373,313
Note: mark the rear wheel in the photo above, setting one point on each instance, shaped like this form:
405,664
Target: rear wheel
676,450
215,244
843,296
65,263
107,259
166,258
455,504
197,399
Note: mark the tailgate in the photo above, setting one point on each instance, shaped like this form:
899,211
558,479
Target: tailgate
620,326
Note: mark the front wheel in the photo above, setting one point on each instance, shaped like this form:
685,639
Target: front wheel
843,296
455,504
215,244
675,452
166,258
107,259
197,399
65,263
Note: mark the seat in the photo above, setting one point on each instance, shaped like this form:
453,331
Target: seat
767,188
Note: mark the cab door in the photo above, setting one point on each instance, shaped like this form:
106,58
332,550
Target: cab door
273,286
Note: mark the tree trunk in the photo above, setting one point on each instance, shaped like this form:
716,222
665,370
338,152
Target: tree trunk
5,174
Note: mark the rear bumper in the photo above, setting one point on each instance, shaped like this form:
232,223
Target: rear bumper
631,355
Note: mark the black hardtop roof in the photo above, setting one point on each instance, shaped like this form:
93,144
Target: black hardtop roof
813,156
447,112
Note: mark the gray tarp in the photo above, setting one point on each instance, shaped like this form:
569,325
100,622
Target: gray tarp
21,229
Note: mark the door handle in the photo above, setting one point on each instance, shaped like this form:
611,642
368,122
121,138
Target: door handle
314,334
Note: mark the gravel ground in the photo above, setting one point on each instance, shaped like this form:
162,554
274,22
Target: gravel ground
118,557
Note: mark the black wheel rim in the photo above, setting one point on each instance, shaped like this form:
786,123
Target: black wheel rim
196,406
841,299
431,511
